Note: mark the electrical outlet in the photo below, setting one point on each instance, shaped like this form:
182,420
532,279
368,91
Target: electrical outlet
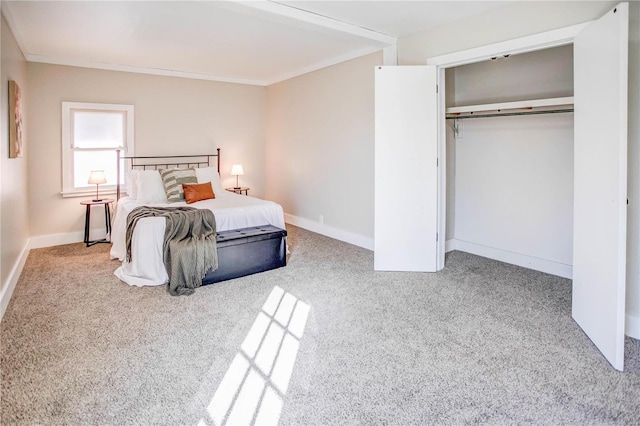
321,219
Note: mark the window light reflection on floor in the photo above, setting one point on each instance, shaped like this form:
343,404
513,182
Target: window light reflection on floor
253,388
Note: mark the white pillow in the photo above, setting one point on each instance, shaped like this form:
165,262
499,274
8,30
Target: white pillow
210,174
150,187
132,183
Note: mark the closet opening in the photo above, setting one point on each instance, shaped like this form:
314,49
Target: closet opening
515,187
509,153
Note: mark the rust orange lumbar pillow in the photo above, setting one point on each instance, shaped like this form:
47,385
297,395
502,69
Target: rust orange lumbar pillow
197,192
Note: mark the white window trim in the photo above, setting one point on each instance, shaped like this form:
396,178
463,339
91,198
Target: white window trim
68,189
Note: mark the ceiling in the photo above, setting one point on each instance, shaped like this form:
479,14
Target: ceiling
257,42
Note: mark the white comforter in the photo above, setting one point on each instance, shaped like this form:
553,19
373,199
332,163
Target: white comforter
232,211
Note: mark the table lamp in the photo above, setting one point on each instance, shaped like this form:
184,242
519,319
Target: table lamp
237,170
97,177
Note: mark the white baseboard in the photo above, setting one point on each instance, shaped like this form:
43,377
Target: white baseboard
66,238
12,280
55,239
329,231
550,267
632,326
450,245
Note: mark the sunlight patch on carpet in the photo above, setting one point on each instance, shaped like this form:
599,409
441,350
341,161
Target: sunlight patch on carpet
253,388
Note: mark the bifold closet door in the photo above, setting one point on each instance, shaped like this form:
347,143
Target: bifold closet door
406,170
600,182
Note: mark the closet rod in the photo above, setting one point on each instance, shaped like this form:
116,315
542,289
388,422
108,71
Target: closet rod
509,114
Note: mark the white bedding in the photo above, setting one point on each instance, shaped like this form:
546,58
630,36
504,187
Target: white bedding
232,211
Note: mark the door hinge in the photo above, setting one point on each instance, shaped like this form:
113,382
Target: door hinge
437,88
436,236
437,162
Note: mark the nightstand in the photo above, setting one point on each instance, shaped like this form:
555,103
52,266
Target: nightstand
87,219
239,190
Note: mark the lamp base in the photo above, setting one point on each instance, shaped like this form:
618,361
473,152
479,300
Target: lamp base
96,201
237,187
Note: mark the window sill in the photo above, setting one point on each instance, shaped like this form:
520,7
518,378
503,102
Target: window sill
88,193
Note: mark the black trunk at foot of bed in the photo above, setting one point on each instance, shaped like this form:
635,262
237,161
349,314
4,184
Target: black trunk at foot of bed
247,251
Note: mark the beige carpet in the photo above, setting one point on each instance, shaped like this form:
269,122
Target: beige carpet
480,342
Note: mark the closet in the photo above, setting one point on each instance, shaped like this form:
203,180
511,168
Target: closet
510,159
547,191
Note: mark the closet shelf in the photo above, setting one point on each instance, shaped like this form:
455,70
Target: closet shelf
534,106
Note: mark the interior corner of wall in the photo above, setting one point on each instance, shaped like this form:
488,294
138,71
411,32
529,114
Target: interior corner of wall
390,55
632,325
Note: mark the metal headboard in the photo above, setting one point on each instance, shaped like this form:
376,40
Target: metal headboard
163,161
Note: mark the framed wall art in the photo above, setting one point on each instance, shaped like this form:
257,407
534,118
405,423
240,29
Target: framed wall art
15,121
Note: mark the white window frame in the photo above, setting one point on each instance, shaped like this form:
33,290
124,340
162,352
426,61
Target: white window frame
68,188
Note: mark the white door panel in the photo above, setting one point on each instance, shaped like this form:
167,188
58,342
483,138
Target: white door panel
600,181
406,174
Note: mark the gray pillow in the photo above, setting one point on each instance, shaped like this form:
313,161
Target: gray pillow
172,179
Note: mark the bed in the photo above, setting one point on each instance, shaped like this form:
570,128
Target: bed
251,231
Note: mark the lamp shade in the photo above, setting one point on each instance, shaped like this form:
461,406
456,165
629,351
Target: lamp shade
97,177
237,170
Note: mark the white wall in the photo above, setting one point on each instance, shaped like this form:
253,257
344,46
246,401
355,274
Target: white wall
536,75
514,186
319,153
172,116
513,176
14,225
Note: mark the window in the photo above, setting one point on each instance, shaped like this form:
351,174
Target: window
91,134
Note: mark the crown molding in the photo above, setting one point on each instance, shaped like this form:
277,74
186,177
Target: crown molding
141,70
324,64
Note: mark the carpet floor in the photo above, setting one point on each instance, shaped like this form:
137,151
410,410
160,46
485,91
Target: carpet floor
325,340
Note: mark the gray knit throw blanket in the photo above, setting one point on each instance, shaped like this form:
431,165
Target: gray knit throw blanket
189,249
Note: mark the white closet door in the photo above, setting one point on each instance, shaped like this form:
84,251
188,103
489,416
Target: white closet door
600,182
406,173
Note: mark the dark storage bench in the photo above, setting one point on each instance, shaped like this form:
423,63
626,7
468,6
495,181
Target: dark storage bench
248,251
